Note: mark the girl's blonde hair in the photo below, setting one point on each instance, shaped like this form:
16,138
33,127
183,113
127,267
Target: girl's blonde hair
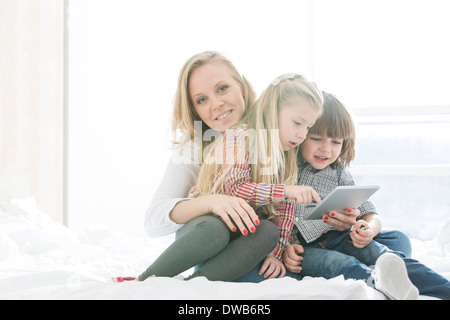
336,122
184,114
267,149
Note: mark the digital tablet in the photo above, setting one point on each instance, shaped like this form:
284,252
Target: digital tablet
341,198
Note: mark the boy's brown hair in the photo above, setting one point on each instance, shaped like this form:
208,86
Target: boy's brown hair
336,122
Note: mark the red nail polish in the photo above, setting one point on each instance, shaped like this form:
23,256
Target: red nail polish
234,230
252,229
325,221
348,210
332,214
245,232
325,217
257,222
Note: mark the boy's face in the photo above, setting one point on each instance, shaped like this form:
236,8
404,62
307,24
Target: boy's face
294,120
320,150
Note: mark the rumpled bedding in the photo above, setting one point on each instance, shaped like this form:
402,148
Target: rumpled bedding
42,259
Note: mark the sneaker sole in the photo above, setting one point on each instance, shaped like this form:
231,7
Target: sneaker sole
392,263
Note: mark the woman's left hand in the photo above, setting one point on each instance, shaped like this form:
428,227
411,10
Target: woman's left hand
342,221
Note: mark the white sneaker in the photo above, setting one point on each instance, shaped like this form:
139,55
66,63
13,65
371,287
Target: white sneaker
391,278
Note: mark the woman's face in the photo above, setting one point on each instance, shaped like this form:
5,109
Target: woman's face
216,96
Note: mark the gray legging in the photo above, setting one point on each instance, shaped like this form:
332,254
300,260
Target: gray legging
224,255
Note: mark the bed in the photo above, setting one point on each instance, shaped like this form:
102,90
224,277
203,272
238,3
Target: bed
42,259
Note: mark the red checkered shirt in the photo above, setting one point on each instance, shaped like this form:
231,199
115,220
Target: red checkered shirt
237,183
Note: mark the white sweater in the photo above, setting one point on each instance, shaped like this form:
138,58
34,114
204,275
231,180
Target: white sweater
181,174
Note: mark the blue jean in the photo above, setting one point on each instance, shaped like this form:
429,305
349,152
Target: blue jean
334,255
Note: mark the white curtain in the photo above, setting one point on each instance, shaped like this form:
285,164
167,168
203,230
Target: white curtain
31,102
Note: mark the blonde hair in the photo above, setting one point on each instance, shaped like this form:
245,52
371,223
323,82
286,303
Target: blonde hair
263,117
184,114
336,122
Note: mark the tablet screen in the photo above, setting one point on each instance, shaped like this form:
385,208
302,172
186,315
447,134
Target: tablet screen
341,198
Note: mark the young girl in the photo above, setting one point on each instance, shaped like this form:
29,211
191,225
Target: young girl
257,160
325,154
212,93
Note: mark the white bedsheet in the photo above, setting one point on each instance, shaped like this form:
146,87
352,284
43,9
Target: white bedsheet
41,259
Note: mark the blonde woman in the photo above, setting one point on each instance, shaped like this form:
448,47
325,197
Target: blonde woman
211,97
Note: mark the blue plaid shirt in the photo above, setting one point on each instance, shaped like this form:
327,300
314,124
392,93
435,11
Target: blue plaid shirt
323,181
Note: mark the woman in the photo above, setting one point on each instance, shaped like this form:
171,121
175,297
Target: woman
211,97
